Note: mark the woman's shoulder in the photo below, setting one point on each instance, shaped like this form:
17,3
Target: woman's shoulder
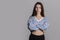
31,17
45,19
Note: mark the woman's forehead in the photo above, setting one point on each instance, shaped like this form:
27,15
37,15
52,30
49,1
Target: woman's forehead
38,5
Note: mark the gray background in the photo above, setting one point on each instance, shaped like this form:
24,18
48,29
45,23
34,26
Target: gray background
14,15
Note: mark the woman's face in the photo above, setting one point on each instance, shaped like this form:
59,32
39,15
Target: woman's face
38,8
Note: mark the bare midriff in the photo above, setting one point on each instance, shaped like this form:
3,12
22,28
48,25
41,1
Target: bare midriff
38,32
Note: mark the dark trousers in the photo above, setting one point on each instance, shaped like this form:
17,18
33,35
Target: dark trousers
35,37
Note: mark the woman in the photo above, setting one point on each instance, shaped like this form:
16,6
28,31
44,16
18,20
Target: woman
37,23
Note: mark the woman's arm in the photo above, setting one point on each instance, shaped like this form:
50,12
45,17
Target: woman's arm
31,24
44,25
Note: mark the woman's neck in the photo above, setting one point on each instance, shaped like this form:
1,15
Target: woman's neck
38,15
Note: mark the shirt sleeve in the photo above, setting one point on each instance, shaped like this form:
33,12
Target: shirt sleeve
32,25
43,25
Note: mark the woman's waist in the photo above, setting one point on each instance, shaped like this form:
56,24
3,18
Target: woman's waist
38,32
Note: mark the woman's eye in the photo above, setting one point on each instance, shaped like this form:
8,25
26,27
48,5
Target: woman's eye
38,7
